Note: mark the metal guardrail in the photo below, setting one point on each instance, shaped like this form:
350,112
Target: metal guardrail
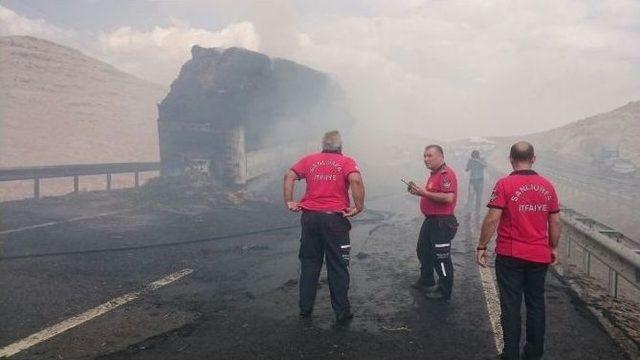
75,171
619,254
258,163
249,165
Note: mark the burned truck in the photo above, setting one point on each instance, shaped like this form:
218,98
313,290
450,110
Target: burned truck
226,103
607,158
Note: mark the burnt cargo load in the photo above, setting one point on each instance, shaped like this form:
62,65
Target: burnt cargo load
228,102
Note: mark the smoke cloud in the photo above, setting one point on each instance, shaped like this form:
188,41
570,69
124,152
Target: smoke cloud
439,69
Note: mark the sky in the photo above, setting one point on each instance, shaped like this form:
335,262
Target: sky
446,69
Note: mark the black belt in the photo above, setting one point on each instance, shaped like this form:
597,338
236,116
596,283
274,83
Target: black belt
438,216
323,212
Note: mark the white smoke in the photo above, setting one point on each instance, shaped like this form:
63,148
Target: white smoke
157,54
442,69
12,23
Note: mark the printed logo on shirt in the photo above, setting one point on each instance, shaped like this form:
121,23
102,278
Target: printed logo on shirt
533,208
326,170
446,184
531,188
493,196
325,177
334,166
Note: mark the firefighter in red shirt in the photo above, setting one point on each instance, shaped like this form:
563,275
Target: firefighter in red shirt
325,225
437,202
524,209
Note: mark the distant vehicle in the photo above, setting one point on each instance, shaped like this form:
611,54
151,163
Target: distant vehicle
624,167
482,144
608,159
463,148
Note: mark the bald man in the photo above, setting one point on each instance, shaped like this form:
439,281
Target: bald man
524,209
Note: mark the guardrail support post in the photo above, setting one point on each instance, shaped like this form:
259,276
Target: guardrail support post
587,262
108,182
76,184
36,188
136,178
613,283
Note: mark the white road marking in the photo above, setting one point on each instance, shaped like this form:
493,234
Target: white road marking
70,323
493,302
51,223
493,305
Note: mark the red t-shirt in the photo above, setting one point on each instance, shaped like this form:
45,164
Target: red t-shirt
526,200
442,180
326,174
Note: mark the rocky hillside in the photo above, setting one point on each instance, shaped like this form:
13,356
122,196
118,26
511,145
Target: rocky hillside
59,106
580,139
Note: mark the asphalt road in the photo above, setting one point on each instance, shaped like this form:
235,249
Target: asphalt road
240,300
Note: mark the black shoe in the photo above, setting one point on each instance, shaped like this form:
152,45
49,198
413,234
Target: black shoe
504,356
432,289
420,285
306,314
344,317
526,356
435,295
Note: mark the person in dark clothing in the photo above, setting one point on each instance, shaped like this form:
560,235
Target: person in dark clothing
325,226
475,167
524,209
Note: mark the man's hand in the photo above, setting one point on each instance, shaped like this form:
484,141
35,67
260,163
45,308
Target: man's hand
350,212
481,258
413,189
489,226
293,206
554,257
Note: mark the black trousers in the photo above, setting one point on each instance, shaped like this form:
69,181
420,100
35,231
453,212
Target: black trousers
324,235
515,278
434,251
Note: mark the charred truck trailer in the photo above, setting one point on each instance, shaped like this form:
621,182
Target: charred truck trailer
227,102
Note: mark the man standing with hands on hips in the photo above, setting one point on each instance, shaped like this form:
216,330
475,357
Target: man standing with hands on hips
524,209
325,226
437,203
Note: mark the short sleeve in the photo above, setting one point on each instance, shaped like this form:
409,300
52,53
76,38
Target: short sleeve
554,203
448,183
498,199
350,166
301,168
